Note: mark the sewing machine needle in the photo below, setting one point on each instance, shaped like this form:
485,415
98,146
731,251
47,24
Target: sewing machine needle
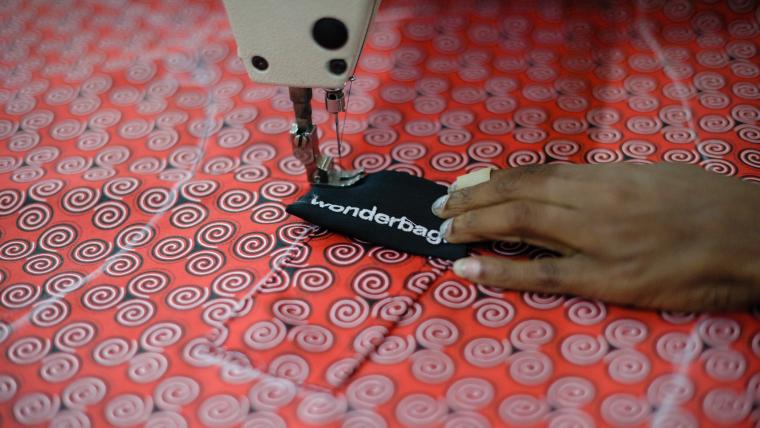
340,143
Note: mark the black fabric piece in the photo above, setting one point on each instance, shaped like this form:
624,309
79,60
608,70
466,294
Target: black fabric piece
387,208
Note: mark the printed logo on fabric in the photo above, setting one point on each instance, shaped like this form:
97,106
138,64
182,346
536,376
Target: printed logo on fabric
404,224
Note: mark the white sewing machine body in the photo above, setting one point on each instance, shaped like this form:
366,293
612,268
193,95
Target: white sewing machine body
305,44
300,43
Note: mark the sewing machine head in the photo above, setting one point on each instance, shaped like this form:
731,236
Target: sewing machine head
304,44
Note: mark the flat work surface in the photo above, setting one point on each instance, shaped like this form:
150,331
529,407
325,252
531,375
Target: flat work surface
150,273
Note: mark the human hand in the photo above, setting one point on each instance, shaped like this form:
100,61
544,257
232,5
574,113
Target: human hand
662,236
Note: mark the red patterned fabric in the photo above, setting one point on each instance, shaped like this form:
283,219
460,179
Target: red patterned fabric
150,274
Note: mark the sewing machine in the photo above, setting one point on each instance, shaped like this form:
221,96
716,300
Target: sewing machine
305,44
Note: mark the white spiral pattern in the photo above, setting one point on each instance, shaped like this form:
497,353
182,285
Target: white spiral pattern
35,408
265,334
522,409
42,264
340,371
223,409
531,334
401,310
16,296
290,367
33,217
585,312
114,351
312,338
344,254
59,367
165,419
671,388
627,366
269,394
436,333
313,279
431,366
349,313
420,409
84,392
147,367
494,313
718,332
321,408
370,391
624,409
678,348
91,250
371,284
393,350
204,262
530,367
454,294
160,335
582,349
487,352
470,394
147,283
128,409
571,391
724,365
102,297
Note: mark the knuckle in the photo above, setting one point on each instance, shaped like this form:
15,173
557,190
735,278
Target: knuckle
506,185
655,301
496,273
458,200
719,298
466,221
520,215
626,193
513,179
532,170
548,275
616,196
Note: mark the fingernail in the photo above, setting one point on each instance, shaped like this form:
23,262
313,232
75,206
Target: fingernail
467,268
439,204
446,227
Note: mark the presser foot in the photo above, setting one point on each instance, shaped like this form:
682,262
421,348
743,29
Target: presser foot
320,169
327,175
